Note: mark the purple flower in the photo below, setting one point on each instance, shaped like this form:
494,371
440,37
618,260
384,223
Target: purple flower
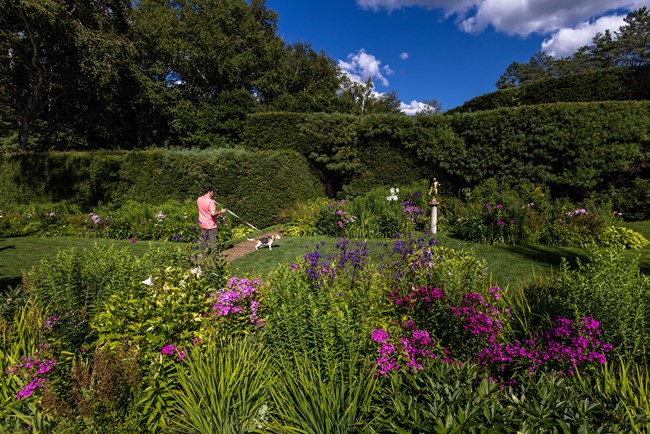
380,336
168,349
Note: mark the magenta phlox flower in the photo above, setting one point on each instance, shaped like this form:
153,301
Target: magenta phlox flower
35,368
239,296
565,346
479,317
380,336
169,349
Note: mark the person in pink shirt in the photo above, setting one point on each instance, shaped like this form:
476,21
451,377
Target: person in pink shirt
207,218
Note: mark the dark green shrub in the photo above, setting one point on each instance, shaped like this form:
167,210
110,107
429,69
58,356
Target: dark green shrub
457,398
613,84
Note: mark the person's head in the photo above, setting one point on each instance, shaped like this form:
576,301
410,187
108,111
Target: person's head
208,189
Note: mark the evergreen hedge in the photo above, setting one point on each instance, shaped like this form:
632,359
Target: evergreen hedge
614,84
255,185
575,148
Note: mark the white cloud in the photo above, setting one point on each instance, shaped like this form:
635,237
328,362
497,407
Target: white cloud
514,17
413,108
566,41
362,66
404,55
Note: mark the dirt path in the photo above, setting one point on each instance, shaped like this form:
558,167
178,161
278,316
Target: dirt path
243,248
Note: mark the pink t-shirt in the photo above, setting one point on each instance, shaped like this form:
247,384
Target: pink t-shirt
206,207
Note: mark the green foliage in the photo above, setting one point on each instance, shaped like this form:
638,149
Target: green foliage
607,287
300,220
612,84
304,400
446,398
573,148
618,236
379,213
257,185
148,316
317,317
223,386
74,284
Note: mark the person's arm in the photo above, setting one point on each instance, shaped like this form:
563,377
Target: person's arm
214,212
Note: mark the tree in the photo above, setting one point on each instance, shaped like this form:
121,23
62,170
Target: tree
61,59
633,39
365,100
432,107
303,81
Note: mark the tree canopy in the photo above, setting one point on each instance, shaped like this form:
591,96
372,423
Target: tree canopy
122,74
627,46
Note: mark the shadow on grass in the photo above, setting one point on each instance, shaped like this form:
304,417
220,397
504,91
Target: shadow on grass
551,256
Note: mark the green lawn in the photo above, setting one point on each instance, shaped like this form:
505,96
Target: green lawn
508,264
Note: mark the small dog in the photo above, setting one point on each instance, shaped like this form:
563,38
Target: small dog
264,241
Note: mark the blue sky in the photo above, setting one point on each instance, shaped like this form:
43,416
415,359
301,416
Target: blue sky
448,50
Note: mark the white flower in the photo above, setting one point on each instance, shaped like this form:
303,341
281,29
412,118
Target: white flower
393,195
149,281
160,216
196,271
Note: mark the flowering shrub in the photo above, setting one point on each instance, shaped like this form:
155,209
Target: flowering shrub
35,369
569,225
493,215
236,307
171,221
333,218
432,317
562,348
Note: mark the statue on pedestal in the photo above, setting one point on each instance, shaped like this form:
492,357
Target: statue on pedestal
434,191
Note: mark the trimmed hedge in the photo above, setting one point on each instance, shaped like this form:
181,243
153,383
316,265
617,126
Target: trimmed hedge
255,185
575,148
614,84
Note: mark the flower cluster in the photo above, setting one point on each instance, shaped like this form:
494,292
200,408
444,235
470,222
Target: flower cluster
565,346
160,216
49,322
170,350
393,195
319,267
411,210
316,265
411,349
238,296
35,368
417,295
342,215
577,212
479,317
95,218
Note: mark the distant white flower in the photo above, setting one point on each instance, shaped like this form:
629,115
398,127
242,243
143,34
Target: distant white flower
393,195
148,282
197,272
160,216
